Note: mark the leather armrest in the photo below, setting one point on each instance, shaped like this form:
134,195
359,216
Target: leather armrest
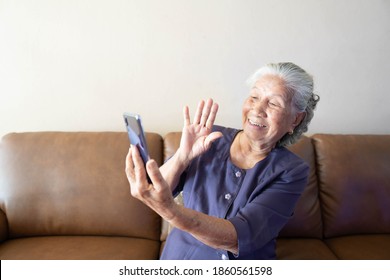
3,226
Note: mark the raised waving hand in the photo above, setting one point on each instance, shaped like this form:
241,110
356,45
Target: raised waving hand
197,136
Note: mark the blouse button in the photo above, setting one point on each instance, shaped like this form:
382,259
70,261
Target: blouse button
238,174
228,196
224,257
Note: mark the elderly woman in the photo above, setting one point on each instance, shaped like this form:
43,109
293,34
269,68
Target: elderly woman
239,186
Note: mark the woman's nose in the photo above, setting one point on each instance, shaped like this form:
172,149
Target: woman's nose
259,108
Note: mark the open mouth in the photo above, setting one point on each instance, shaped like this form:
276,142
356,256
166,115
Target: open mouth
256,124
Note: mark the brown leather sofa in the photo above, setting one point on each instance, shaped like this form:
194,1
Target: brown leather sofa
64,195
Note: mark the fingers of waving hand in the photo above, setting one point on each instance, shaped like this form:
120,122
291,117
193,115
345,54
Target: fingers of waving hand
205,114
186,116
212,115
211,138
198,112
197,136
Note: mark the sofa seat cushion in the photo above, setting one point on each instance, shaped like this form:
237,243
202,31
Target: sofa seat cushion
303,249
79,248
361,247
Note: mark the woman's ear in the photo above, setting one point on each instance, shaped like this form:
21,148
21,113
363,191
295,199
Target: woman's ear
298,118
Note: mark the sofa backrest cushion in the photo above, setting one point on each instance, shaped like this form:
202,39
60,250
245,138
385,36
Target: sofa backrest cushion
354,182
72,183
306,221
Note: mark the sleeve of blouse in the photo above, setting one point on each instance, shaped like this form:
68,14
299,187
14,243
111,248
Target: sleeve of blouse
261,219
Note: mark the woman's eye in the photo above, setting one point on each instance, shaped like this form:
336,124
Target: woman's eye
273,104
253,98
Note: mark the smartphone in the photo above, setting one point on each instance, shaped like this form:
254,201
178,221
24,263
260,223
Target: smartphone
136,135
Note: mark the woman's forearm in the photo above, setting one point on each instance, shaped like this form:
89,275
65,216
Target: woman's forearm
172,169
215,232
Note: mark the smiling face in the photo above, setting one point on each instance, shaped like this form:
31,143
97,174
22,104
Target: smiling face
268,113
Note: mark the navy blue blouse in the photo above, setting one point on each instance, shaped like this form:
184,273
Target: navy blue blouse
257,201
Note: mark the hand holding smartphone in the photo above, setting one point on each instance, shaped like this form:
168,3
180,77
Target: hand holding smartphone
136,135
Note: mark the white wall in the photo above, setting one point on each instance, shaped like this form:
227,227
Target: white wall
78,65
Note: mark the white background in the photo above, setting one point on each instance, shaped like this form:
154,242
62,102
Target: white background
78,65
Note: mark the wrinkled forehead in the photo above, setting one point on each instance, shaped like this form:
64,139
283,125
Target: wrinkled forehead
272,85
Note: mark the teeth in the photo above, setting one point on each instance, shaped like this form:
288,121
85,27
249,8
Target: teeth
256,124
